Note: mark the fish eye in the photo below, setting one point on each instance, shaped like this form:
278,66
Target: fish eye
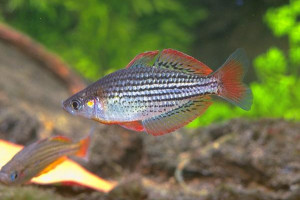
75,104
14,176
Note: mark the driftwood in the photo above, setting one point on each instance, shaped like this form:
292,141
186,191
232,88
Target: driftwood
39,53
239,159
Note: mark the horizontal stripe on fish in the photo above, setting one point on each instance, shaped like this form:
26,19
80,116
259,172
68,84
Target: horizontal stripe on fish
177,87
47,146
150,91
160,89
54,151
53,156
161,93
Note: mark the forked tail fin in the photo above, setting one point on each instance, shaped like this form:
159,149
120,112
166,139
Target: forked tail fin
231,74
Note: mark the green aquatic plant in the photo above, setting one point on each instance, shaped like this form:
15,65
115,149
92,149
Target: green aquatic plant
278,89
277,93
284,21
98,37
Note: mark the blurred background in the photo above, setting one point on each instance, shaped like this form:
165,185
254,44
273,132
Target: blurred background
97,37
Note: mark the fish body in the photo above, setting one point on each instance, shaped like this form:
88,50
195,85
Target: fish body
40,157
137,94
162,97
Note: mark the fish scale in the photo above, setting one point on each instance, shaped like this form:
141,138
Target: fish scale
126,90
139,85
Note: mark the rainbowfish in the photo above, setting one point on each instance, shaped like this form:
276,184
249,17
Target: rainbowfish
162,97
41,157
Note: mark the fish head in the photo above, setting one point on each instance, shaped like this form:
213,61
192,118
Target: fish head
4,178
11,177
82,104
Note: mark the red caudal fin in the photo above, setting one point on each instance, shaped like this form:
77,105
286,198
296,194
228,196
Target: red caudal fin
231,75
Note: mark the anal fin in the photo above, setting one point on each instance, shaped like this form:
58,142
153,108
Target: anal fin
135,125
52,165
177,118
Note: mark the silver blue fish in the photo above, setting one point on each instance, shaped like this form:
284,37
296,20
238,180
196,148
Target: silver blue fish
164,96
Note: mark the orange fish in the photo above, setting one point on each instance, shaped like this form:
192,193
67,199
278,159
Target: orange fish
41,157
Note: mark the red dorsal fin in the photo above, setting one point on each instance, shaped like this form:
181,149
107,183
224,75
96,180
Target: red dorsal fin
179,61
61,138
142,59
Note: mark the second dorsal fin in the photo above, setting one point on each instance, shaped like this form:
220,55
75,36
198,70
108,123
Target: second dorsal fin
179,61
142,59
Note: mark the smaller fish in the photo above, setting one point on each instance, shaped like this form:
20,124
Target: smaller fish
41,157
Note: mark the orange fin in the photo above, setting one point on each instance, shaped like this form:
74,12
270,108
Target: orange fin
135,125
177,118
52,165
231,75
142,59
179,61
84,147
61,138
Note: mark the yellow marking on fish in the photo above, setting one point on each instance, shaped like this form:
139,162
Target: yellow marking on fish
90,103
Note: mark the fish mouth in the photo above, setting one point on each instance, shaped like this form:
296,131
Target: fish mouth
67,108
4,178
